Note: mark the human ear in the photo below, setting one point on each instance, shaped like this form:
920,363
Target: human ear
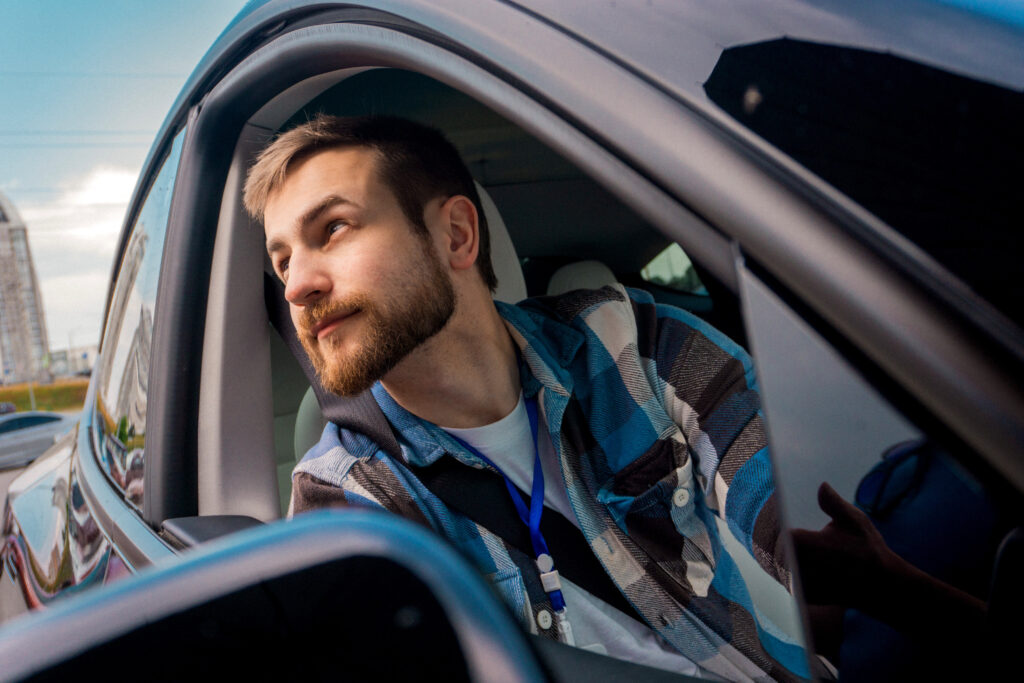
463,231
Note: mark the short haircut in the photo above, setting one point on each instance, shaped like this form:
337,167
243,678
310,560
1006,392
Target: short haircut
416,162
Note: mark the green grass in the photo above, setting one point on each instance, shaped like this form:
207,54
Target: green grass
60,396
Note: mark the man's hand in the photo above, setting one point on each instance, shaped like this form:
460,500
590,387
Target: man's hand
843,563
848,563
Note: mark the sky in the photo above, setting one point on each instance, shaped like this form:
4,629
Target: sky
84,87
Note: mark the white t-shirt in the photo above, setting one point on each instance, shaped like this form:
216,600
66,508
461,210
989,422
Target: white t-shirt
596,625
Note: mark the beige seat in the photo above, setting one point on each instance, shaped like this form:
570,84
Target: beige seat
580,275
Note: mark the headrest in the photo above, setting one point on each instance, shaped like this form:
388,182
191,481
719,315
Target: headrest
511,284
580,275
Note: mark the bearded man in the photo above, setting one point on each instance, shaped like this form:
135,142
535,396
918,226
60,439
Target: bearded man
640,421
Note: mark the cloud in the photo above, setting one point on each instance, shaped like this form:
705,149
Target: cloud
73,305
72,239
103,187
86,217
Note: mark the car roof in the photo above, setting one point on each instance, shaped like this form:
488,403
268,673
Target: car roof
634,33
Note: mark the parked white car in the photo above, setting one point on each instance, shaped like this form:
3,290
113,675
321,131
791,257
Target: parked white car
24,436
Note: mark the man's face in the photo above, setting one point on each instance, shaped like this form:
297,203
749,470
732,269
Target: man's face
365,289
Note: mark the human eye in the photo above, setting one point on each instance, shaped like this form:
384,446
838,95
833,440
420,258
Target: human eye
336,225
282,270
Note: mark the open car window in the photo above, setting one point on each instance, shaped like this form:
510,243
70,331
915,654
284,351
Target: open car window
568,230
559,217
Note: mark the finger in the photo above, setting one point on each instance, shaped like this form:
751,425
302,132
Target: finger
843,513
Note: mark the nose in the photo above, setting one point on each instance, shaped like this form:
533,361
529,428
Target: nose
308,279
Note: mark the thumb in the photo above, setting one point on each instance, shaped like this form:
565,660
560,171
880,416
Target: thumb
844,514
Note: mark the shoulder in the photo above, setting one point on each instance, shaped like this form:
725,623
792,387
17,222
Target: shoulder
611,304
572,307
332,459
347,467
615,309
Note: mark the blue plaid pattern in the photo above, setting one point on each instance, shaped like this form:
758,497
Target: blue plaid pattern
641,400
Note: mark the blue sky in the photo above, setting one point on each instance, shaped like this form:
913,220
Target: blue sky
84,86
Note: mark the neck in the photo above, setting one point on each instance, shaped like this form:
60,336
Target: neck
464,376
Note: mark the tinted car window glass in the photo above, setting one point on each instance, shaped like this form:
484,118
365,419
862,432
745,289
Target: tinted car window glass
827,424
934,154
36,420
124,364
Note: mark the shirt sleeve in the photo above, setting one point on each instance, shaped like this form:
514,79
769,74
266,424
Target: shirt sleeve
367,483
709,388
310,493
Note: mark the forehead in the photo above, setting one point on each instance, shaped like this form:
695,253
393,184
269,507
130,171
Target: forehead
349,172
339,167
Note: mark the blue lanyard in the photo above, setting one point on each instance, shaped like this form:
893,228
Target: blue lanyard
531,518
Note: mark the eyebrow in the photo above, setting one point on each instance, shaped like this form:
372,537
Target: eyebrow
309,216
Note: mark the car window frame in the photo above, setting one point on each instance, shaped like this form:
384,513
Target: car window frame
262,77
787,221
136,541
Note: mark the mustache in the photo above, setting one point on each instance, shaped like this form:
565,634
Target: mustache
324,309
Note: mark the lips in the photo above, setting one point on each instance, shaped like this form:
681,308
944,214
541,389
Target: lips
329,323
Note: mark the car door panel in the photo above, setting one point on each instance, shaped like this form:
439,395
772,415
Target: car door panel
52,544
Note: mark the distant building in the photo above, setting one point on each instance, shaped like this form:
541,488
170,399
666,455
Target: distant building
78,360
23,341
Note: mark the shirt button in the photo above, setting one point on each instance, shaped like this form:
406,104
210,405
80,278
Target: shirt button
681,497
544,619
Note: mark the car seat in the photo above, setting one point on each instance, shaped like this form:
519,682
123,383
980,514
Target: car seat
580,275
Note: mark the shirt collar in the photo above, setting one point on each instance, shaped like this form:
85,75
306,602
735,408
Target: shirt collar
546,345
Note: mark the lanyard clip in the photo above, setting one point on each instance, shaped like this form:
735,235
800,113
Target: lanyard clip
564,627
553,587
548,575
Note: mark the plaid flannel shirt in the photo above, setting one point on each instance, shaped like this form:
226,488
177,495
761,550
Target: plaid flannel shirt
642,401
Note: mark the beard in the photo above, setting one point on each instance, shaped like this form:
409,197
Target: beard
420,307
